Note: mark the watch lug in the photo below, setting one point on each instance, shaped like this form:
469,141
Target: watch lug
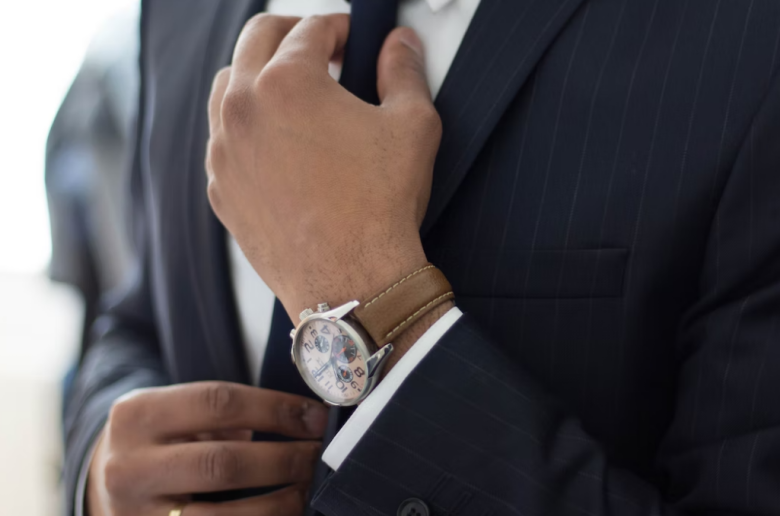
341,311
378,360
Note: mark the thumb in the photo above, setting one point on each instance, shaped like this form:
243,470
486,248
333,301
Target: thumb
401,69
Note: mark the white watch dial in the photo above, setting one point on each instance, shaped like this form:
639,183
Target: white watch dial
333,363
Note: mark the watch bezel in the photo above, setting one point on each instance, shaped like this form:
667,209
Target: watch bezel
366,346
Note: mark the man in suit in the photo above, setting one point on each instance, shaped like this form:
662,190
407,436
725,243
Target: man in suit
602,196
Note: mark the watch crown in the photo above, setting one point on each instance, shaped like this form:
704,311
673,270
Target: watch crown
323,307
306,313
292,333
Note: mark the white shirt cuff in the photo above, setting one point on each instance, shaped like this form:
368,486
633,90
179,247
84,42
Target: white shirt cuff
372,406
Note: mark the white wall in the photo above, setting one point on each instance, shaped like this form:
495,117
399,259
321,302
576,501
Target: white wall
42,43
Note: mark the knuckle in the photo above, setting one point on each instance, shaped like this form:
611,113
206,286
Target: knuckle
268,26
427,119
223,75
212,192
215,154
288,416
221,399
116,476
292,463
291,504
220,465
262,22
125,411
133,411
319,21
299,463
236,108
399,58
278,79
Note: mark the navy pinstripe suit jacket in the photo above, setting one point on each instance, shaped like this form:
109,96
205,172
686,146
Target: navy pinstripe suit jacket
606,203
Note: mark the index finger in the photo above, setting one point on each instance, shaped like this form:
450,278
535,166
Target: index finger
164,413
258,42
315,40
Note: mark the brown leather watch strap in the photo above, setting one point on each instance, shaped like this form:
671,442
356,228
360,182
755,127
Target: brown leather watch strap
391,311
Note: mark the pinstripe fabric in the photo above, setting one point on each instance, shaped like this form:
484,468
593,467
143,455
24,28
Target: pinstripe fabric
644,153
605,204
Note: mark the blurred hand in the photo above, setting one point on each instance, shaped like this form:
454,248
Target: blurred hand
324,192
161,445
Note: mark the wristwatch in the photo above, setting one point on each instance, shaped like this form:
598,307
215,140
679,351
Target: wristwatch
340,352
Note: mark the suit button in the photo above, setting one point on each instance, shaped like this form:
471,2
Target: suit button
413,507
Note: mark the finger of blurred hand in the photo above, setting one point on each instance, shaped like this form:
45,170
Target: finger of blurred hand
258,42
205,467
315,41
285,502
185,410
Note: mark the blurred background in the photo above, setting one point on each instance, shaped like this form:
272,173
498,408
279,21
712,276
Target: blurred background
66,111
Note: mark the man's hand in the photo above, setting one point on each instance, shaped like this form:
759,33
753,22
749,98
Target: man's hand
161,445
324,193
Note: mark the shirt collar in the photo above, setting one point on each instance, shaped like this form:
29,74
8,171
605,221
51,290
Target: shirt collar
438,5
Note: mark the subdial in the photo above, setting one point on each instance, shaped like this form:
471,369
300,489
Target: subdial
344,349
322,344
344,374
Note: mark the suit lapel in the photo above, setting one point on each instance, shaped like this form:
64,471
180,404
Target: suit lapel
502,46
205,236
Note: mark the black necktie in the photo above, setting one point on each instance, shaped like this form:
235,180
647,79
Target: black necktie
372,21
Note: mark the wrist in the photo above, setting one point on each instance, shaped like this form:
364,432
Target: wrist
355,277
335,348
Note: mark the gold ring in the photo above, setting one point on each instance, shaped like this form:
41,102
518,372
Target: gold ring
177,511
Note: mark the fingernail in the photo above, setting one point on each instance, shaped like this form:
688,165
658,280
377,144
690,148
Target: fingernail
315,417
410,38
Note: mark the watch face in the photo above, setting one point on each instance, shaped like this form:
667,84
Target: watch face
332,361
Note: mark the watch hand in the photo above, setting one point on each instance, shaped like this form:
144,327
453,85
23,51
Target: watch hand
335,365
322,369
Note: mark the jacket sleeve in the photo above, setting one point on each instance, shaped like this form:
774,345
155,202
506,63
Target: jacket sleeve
124,354
471,433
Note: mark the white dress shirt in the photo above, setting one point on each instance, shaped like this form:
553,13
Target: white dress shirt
441,25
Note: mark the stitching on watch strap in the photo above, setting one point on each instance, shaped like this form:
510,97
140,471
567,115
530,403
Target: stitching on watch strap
395,285
448,294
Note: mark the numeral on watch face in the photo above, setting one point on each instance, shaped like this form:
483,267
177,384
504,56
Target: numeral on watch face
335,361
